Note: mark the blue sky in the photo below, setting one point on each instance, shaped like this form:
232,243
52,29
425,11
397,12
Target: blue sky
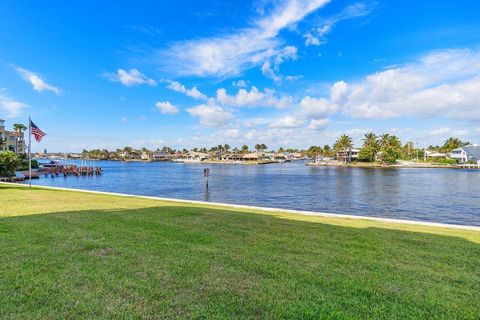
202,73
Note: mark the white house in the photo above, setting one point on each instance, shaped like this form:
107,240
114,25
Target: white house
466,154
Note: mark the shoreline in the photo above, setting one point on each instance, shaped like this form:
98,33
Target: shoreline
394,166
266,209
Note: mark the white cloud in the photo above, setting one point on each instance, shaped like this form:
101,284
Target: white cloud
130,78
269,72
270,69
230,54
166,107
287,122
318,124
38,83
230,133
441,83
193,93
317,36
448,131
10,108
311,40
240,84
338,93
252,98
210,115
316,108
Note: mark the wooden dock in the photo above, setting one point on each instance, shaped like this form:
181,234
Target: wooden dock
72,170
469,166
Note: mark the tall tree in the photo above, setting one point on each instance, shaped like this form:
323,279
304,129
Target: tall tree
343,145
370,147
18,129
327,151
384,140
451,143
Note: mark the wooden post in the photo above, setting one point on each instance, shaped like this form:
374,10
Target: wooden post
206,172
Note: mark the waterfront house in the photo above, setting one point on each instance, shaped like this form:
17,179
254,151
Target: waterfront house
470,153
196,156
435,154
232,157
347,156
10,140
297,156
145,156
160,156
254,156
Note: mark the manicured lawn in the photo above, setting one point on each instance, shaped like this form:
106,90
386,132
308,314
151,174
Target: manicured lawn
78,255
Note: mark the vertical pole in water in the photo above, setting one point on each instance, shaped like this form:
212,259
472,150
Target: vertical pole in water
206,171
29,152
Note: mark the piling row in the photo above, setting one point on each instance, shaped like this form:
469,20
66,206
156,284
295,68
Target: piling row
72,171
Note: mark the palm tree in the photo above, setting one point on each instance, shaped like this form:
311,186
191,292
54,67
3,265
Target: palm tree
370,140
314,151
327,151
394,142
244,148
451,143
343,145
226,147
384,140
370,147
18,128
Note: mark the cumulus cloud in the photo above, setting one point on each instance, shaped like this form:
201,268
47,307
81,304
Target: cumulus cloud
166,107
318,124
252,98
10,108
440,83
230,54
193,92
130,78
316,107
210,115
287,122
36,81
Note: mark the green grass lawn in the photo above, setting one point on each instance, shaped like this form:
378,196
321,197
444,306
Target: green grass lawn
78,255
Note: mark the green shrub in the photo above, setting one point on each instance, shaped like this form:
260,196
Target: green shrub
8,164
390,155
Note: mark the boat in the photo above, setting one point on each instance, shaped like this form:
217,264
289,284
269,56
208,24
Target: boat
51,164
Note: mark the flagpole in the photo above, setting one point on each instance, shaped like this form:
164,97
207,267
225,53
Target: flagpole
30,152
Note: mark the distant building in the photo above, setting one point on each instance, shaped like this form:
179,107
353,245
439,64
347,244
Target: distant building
470,153
160,155
9,141
435,154
347,156
254,156
145,156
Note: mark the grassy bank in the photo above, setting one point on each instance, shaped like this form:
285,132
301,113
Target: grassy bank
78,255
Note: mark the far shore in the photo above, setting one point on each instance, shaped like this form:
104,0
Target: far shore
421,165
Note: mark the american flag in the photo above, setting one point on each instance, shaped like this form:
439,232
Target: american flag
37,133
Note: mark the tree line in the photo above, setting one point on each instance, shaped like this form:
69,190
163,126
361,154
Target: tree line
385,148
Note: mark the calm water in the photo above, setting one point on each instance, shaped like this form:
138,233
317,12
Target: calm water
440,195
